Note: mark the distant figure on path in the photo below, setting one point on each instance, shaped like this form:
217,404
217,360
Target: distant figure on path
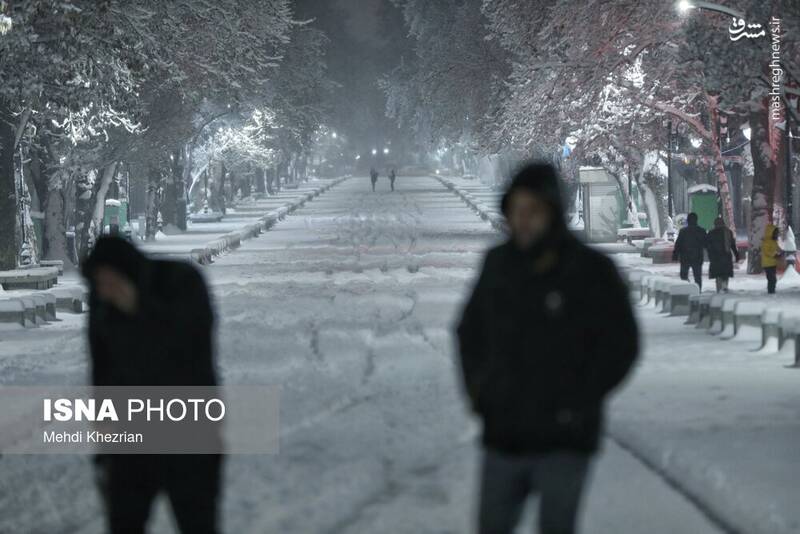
721,246
150,324
689,249
770,252
546,334
392,178
373,176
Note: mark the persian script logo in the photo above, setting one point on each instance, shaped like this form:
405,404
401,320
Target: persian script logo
739,28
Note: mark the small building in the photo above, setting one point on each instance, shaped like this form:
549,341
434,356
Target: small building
603,205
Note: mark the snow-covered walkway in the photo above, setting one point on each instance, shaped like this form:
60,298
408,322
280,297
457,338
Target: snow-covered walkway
347,305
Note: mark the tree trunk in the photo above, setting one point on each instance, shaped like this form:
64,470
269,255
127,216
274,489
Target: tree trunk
8,197
100,195
762,199
719,166
169,206
153,203
84,211
55,230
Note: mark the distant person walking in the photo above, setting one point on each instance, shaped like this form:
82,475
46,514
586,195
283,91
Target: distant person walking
392,178
721,246
150,324
373,176
689,249
546,334
770,252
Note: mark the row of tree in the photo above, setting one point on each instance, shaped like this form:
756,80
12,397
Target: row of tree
160,93
523,77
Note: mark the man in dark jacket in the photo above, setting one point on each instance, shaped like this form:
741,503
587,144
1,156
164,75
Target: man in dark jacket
150,324
547,333
689,249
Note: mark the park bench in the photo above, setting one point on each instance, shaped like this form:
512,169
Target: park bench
70,299
696,309
677,298
12,311
633,234
30,278
747,316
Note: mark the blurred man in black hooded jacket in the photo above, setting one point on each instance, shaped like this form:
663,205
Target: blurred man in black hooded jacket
547,333
150,324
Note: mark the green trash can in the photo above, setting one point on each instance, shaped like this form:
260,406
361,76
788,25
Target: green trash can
704,201
115,214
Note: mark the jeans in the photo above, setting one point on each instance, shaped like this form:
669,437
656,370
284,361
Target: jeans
507,482
772,279
697,271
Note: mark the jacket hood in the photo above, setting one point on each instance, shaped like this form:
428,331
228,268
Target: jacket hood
118,254
542,180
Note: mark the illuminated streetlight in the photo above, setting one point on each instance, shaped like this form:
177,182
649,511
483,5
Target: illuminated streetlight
685,5
334,135
385,150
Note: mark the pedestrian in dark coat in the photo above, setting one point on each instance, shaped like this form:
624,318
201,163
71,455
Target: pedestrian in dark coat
689,250
150,324
373,176
546,334
392,178
721,246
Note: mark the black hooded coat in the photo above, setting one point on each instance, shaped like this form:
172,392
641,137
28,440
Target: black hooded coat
540,351
168,341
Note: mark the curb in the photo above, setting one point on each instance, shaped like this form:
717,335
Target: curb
233,240
497,221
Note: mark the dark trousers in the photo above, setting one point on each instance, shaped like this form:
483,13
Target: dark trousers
508,481
772,279
391,182
130,483
373,184
697,272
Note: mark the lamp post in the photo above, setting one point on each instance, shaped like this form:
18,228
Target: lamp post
686,5
789,184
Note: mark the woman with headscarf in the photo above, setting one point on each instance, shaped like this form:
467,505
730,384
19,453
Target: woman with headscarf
721,246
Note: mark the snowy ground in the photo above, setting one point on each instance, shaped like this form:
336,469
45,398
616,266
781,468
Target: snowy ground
348,305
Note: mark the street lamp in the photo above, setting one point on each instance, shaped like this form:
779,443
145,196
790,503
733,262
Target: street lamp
385,150
374,151
746,132
686,5
334,135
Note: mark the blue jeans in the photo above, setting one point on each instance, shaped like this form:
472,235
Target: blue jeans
507,482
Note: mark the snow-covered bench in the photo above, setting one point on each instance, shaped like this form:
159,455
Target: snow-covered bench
661,253
698,306
12,311
70,299
677,298
631,234
747,317
30,278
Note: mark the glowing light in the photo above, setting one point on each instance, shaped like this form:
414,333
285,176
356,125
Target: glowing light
374,151
695,142
385,150
684,6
